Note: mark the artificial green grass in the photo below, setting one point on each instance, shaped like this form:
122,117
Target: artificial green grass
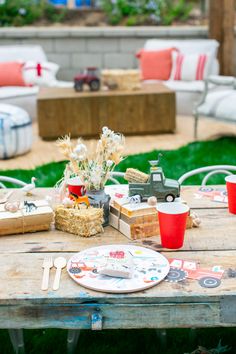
144,341
174,162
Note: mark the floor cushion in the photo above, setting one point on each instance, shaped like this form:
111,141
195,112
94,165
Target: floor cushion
15,131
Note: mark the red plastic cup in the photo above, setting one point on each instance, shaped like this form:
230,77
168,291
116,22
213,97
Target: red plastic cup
172,220
76,187
231,189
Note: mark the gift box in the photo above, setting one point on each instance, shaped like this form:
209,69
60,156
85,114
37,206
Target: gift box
83,222
31,217
132,209
137,221
134,220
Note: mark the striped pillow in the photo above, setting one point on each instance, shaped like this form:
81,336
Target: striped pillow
189,67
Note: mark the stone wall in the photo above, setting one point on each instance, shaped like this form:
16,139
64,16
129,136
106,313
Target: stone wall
104,47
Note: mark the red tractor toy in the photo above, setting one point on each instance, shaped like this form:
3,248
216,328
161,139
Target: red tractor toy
89,77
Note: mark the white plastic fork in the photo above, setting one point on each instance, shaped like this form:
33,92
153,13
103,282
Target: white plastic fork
47,265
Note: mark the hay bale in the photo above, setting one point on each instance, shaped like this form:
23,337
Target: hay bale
123,80
84,222
135,176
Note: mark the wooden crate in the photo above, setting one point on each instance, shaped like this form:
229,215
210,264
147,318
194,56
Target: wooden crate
146,111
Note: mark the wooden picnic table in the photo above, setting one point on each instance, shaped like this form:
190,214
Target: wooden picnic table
184,304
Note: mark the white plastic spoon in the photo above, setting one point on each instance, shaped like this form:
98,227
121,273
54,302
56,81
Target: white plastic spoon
59,263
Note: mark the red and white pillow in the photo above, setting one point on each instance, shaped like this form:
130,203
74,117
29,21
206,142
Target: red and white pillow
190,67
41,74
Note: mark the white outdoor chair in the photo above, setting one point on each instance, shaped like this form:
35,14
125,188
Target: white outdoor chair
217,104
10,180
212,170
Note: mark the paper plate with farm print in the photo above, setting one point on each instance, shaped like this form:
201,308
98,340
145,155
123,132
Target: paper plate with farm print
149,268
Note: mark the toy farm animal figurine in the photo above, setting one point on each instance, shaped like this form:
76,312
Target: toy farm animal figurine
29,206
156,185
89,77
79,199
29,187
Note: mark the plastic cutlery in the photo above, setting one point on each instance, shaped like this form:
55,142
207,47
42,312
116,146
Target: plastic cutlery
47,265
59,263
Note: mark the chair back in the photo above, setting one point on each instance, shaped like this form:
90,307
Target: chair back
212,170
22,53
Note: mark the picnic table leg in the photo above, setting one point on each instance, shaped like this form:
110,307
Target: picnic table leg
17,340
192,336
161,334
72,340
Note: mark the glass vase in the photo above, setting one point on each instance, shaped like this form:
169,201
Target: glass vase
99,199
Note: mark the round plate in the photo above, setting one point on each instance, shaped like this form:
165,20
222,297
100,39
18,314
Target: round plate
150,268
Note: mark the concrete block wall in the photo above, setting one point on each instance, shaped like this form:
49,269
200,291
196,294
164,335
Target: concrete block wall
74,48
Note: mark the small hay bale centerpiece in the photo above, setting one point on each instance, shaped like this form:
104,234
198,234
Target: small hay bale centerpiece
84,222
93,169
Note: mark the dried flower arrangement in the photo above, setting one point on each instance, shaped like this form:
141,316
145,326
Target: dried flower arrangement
93,169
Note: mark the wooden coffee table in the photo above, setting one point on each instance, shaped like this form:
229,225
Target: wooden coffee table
146,111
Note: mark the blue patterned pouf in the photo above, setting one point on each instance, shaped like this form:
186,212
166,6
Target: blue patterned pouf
15,131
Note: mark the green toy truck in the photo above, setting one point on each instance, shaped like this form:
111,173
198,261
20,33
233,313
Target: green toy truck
164,189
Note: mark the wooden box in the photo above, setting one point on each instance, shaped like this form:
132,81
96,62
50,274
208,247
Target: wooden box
22,221
138,226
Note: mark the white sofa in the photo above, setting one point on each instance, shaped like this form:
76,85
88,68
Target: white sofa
24,97
187,92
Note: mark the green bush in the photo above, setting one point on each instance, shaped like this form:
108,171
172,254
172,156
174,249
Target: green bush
26,12
137,12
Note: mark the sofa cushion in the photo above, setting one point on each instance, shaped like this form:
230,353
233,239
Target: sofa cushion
155,64
220,104
181,86
22,53
209,46
11,74
16,91
184,46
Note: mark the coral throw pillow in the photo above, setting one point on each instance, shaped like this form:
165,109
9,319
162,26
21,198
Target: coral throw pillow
11,74
155,65
41,74
189,67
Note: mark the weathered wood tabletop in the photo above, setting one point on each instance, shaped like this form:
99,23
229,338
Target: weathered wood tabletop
184,304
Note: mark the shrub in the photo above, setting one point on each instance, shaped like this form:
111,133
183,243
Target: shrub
155,11
25,12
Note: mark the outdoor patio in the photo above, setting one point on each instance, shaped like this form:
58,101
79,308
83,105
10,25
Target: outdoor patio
117,176
44,152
